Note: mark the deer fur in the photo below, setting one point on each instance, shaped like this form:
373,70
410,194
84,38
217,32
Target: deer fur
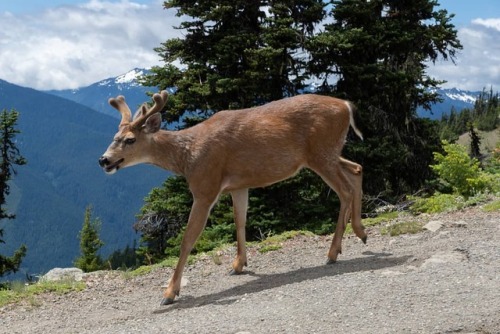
235,150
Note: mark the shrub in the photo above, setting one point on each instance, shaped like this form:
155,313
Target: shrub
463,174
437,203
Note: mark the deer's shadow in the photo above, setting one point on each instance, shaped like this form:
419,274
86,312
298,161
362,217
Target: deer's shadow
264,282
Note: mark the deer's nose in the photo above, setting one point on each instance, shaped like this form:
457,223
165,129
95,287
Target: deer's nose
103,161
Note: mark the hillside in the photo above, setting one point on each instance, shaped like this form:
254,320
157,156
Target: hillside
62,141
444,281
489,140
96,96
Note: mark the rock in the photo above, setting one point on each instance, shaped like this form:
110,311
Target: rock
459,223
433,225
59,274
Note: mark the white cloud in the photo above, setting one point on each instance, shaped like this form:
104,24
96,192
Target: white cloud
489,23
478,64
73,46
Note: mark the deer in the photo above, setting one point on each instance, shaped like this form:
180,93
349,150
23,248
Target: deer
235,150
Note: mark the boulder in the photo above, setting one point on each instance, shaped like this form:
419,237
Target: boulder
59,274
433,225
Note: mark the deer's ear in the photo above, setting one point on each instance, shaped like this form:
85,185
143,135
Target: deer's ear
153,123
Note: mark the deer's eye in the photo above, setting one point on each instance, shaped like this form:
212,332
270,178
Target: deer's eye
129,141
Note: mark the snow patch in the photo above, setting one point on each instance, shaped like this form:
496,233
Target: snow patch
462,96
129,77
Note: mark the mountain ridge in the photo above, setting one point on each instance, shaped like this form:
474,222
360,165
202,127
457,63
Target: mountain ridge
96,95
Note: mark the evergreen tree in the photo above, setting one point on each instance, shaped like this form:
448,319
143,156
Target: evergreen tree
486,111
379,51
10,156
126,258
90,243
236,53
475,143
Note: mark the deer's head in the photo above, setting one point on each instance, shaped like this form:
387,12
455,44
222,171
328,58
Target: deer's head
131,143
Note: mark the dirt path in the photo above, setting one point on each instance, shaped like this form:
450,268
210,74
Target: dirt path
446,281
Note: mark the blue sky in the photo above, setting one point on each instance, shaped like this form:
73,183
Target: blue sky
59,44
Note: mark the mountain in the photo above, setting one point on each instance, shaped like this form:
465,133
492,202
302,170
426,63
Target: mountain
452,98
62,141
96,95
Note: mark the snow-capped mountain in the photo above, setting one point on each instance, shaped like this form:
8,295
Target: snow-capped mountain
96,95
452,98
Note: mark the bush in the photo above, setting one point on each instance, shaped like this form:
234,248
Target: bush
438,203
212,237
462,173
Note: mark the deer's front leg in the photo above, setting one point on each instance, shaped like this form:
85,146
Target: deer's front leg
240,206
197,220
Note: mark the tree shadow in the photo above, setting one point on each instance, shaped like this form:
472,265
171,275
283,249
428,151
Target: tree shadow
373,261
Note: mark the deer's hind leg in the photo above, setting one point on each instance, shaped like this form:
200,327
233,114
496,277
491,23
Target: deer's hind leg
344,177
354,172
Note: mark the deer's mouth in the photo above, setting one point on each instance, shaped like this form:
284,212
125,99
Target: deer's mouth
112,168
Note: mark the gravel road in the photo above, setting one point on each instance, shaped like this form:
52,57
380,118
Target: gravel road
447,281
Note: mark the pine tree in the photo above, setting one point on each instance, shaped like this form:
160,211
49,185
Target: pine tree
378,52
10,156
90,243
475,143
236,54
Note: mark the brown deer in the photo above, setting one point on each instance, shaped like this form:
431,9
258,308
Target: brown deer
235,150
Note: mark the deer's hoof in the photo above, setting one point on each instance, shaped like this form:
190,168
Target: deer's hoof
234,272
330,261
167,301
364,239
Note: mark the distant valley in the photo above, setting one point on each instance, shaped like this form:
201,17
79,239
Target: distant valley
62,141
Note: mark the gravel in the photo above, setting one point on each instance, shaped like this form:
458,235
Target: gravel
441,281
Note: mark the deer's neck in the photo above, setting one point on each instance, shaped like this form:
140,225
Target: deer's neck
171,150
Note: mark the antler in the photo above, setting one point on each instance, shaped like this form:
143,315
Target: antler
120,105
159,102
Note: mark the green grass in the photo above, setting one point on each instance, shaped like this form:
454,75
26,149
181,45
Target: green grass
493,206
169,262
19,291
410,227
438,203
381,218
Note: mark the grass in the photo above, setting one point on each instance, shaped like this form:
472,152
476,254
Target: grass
492,206
275,242
411,227
381,218
169,262
19,291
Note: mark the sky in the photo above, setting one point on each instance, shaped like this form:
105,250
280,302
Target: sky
66,44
